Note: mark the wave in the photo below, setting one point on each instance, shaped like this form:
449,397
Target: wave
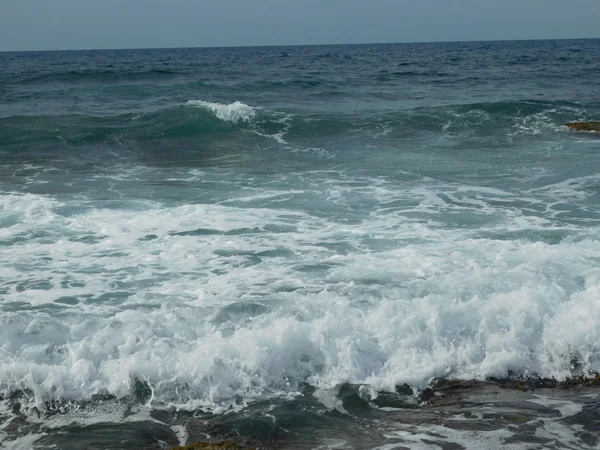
503,120
194,118
415,76
233,113
238,313
105,76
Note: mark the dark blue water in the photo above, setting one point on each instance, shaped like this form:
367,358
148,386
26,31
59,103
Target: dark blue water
289,246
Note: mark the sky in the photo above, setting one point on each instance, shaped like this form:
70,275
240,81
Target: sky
91,24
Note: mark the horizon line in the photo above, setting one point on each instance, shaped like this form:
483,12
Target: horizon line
296,45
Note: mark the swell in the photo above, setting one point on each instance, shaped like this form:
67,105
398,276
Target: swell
196,118
174,122
386,75
102,76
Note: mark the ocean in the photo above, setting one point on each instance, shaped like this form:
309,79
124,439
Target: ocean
390,246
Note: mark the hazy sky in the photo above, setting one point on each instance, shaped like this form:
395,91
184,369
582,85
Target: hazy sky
72,24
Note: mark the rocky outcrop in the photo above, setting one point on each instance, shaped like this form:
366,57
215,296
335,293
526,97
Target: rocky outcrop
584,126
227,445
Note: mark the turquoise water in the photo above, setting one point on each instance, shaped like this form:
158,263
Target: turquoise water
216,234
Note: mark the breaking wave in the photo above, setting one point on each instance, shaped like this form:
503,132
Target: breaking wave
235,112
502,120
242,302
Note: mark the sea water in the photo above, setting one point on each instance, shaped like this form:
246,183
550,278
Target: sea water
291,244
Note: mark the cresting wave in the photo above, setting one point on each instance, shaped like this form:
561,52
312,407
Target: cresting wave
194,118
500,120
212,305
233,113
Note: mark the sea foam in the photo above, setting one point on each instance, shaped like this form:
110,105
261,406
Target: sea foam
234,113
208,303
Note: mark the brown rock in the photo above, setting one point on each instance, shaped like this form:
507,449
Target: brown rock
580,381
227,445
584,126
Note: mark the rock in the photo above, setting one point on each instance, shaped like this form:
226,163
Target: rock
226,445
580,381
584,126
531,384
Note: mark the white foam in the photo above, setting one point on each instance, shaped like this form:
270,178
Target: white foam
553,428
421,437
565,407
74,415
209,302
329,399
285,121
234,113
543,122
181,433
26,442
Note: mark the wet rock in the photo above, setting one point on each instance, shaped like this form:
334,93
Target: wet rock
585,126
580,381
445,392
533,383
226,445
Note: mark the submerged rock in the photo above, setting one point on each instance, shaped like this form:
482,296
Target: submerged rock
580,381
447,391
227,445
584,126
531,384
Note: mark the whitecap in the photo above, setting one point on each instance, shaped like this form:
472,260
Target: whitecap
234,113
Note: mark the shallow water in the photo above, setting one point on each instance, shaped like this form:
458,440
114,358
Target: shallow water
220,232
458,415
